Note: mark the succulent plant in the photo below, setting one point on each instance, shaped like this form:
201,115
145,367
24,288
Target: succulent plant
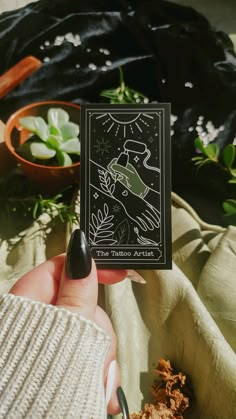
54,142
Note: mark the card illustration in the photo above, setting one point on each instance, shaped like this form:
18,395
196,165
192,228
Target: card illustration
125,184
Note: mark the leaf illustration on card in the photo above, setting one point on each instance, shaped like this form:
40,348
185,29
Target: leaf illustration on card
125,184
101,228
106,180
144,240
122,232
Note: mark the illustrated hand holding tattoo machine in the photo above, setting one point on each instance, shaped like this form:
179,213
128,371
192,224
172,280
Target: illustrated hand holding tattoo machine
125,186
125,172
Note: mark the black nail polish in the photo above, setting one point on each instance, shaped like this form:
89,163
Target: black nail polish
78,256
122,402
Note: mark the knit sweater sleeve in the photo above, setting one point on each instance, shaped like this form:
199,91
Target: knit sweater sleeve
51,362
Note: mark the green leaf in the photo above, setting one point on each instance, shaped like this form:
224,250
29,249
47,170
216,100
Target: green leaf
37,125
199,158
63,159
53,142
198,144
41,151
69,130
123,93
35,209
71,146
203,162
233,172
28,122
232,181
54,131
57,117
229,155
67,160
212,151
230,206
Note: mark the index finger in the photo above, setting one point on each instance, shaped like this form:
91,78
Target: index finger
121,170
42,283
111,276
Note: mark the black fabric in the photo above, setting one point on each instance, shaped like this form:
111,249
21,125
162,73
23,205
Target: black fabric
160,46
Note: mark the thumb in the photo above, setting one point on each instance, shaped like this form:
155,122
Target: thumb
78,289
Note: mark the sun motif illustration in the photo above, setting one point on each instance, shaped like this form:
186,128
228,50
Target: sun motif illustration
102,146
124,123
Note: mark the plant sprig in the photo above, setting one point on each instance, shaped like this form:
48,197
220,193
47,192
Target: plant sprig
123,93
54,206
209,153
18,194
36,205
226,161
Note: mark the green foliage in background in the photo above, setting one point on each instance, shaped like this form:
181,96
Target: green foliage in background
123,93
17,195
225,161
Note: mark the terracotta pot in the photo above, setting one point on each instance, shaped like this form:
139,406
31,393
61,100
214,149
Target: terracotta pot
45,178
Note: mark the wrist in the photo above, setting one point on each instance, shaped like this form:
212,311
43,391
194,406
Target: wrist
145,192
51,359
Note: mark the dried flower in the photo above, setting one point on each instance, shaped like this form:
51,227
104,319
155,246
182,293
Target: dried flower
170,395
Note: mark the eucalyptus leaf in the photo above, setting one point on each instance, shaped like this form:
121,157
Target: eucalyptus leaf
57,117
71,146
42,151
69,130
229,155
37,125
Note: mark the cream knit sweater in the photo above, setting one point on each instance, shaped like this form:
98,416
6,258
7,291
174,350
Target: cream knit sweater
51,362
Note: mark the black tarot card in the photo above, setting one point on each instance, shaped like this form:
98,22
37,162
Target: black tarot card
126,185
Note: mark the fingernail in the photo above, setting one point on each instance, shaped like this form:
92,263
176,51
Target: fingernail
122,402
134,276
78,256
111,378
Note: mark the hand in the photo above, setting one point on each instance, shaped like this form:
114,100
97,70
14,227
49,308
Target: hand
145,215
51,283
129,177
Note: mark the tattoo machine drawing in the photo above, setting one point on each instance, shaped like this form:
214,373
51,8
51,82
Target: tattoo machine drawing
131,146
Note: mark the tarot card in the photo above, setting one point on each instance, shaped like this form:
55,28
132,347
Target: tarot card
126,185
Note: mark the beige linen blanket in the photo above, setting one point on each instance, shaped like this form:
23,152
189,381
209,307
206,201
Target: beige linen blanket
187,314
